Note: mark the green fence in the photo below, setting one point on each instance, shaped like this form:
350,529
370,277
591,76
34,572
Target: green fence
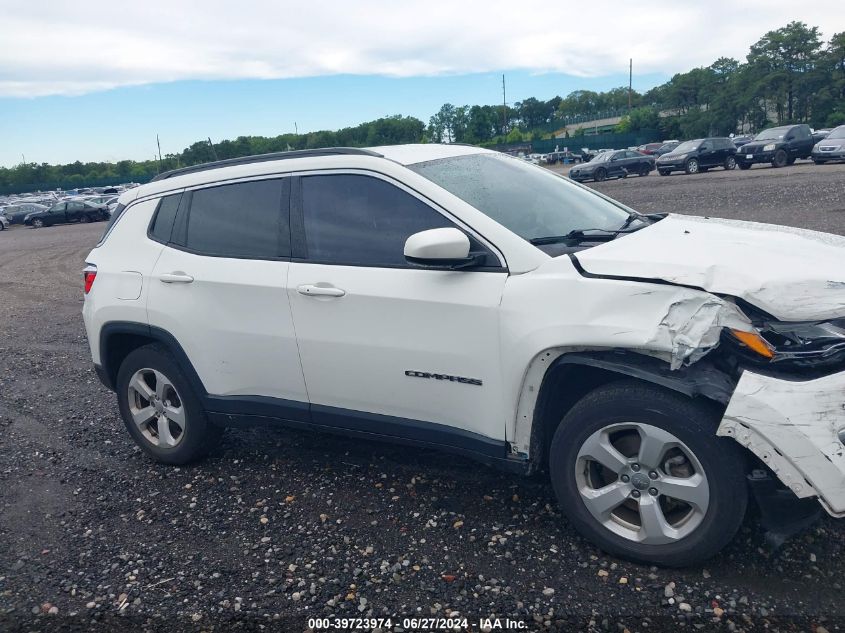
65,185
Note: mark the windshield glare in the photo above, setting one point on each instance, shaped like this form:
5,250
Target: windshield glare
774,133
687,146
530,201
602,158
837,132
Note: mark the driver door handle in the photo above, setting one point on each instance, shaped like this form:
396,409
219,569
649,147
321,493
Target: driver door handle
313,290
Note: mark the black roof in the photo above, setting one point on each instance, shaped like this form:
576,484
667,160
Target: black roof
261,158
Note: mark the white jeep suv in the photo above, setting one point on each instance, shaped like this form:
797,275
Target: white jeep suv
452,297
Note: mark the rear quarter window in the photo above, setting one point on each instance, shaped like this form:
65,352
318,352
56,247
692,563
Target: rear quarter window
115,216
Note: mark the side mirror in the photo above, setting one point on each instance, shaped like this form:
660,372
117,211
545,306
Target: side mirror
447,247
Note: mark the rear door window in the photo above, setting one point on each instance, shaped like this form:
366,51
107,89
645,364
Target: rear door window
242,220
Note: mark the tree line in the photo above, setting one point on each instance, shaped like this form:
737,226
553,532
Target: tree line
790,75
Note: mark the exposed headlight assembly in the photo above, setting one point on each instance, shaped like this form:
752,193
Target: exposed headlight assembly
805,340
769,147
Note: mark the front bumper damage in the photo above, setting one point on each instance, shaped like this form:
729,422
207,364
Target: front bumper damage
794,427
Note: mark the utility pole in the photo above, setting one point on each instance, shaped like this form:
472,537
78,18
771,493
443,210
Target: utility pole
630,78
504,108
296,128
159,152
213,151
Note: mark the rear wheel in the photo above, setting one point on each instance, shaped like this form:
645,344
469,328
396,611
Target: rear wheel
640,472
663,172
644,170
730,163
160,409
600,174
692,166
779,159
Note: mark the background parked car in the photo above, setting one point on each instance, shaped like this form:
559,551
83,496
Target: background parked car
4,223
831,148
665,148
739,141
699,155
649,148
65,212
614,164
560,157
16,213
779,146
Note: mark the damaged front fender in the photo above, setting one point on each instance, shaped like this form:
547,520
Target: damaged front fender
693,326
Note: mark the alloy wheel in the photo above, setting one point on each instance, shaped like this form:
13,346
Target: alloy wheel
156,408
642,483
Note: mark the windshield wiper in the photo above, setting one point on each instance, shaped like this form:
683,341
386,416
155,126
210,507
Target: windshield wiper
581,235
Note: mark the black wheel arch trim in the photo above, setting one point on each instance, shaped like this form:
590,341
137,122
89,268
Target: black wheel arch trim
700,379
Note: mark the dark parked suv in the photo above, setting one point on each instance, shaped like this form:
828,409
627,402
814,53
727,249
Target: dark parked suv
698,155
779,146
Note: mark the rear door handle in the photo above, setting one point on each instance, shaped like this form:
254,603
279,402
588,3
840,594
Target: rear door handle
312,290
175,278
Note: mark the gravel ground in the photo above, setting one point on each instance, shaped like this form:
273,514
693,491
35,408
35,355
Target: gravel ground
278,526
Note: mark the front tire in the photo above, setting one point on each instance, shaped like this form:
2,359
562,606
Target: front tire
780,159
819,162
600,175
37,223
744,166
644,170
692,166
639,471
663,172
160,408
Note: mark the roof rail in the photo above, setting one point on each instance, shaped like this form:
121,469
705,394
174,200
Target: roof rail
261,158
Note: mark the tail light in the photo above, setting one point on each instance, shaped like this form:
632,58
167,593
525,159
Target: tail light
89,275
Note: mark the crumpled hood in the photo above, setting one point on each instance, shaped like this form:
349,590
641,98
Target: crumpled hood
793,274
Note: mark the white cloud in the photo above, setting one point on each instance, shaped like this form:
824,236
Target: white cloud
72,47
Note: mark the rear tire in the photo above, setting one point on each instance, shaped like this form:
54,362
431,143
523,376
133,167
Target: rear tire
655,442
730,163
151,386
663,172
780,159
692,166
645,170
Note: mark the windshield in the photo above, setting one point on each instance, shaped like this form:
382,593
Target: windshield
530,201
774,133
837,132
687,146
